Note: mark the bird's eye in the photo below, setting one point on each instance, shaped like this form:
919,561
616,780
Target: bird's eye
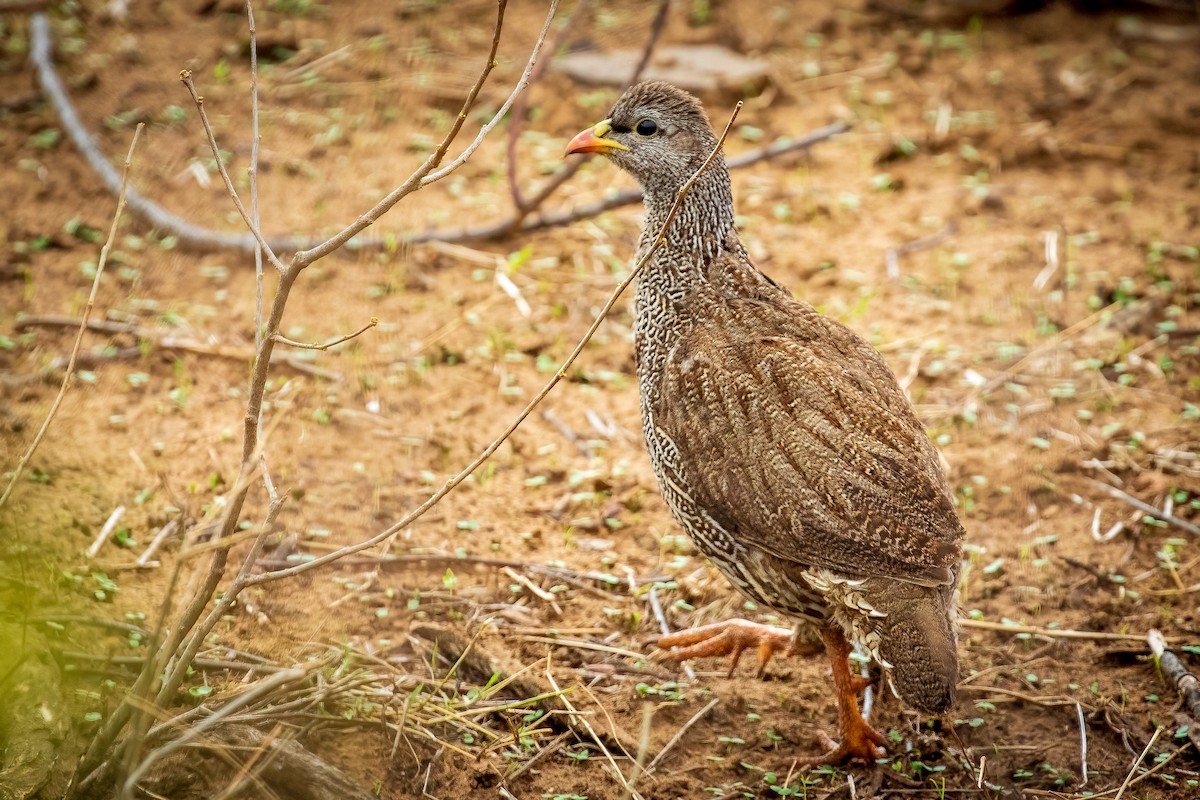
646,128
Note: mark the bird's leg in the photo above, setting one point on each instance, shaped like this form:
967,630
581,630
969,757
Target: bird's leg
732,637
859,739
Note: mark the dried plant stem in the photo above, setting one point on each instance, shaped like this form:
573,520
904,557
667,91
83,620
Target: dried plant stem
279,337
186,77
561,373
1137,762
1157,513
428,172
1053,633
261,689
87,312
522,206
674,740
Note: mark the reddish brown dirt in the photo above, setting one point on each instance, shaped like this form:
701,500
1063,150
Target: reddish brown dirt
1007,128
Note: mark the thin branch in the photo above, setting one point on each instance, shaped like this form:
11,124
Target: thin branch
679,735
279,337
263,688
1054,633
561,373
87,312
255,217
168,341
426,174
1137,762
1157,513
523,207
186,77
521,106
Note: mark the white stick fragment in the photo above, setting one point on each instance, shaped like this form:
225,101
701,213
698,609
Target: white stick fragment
106,531
1083,770
156,542
513,291
1043,277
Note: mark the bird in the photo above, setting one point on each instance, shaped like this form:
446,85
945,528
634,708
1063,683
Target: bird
782,442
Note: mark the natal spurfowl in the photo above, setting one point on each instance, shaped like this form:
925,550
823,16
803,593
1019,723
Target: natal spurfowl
781,440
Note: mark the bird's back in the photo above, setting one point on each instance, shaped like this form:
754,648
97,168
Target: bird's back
788,451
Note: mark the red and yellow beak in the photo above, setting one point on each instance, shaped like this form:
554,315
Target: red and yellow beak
592,140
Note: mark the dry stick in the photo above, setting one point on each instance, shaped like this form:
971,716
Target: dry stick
679,735
186,77
520,107
1053,633
428,172
522,207
1157,513
253,173
171,342
250,444
1137,762
109,526
449,486
87,312
263,688
279,337
156,542
1083,747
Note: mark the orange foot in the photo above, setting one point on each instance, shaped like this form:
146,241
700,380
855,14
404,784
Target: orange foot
731,638
859,739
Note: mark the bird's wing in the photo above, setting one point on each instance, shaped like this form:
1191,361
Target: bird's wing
804,446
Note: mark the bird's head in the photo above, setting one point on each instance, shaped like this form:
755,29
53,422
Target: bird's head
656,132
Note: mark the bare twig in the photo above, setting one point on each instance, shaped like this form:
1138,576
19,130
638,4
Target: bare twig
1157,513
110,525
156,542
186,77
892,254
428,172
279,337
1083,747
522,206
1052,633
170,341
1137,762
674,740
87,312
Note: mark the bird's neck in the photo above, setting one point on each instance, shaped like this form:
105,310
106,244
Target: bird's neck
695,235
677,283
700,224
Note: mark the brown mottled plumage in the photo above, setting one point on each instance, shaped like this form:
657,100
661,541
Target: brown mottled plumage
781,440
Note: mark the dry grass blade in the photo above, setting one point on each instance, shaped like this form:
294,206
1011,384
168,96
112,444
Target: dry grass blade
87,312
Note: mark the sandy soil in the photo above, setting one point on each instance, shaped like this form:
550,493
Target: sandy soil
1047,168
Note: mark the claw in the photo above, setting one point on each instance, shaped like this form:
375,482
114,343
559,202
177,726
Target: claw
729,638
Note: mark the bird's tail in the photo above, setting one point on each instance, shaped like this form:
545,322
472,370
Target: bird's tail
918,637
